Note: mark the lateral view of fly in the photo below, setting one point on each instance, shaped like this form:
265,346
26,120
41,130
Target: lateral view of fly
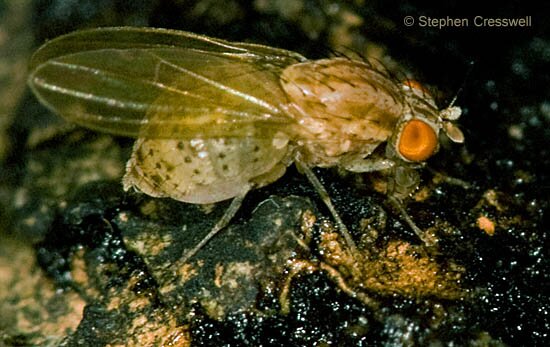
214,119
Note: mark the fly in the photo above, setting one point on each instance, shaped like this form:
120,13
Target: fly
214,119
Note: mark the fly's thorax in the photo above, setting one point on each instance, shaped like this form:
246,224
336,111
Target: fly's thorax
341,108
337,144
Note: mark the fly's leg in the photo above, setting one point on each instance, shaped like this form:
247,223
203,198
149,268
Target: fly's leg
403,179
367,165
383,164
222,223
428,241
328,202
451,180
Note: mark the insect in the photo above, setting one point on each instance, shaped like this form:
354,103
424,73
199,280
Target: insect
214,119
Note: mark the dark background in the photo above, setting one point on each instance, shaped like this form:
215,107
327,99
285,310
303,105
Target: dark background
505,92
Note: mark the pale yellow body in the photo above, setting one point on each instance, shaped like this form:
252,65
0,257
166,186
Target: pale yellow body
214,118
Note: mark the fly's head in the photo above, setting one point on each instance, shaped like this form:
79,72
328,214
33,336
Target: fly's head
416,138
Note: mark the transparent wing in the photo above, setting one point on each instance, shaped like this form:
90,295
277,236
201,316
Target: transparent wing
162,83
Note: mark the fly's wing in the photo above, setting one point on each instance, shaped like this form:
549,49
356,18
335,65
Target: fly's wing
160,83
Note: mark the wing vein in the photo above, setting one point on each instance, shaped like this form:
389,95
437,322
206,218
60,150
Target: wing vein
89,96
237,93
118,77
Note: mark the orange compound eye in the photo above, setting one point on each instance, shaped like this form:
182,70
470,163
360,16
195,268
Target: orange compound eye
418,141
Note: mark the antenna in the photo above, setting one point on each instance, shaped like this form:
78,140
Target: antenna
468,72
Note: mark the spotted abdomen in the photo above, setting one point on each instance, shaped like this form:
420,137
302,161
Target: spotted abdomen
205,170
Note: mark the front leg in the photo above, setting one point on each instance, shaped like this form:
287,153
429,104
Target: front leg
369,165
402,181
